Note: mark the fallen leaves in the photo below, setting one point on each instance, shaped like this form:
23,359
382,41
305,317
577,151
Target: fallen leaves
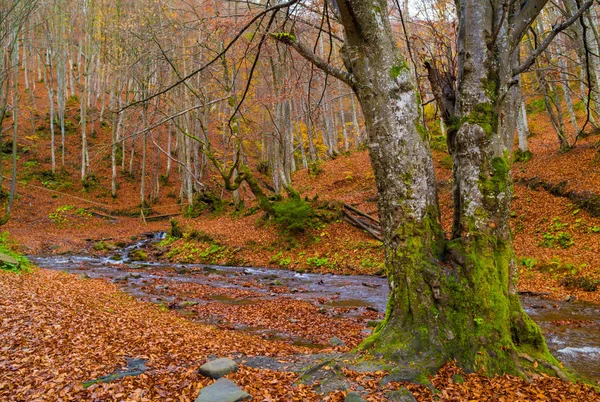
57,331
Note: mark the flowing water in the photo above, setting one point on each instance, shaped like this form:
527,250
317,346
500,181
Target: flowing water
572,329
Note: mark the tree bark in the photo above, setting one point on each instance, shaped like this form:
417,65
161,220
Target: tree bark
456,298
523,127
493,327
403,168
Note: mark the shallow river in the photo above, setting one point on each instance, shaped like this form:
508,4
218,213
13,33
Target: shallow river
572,329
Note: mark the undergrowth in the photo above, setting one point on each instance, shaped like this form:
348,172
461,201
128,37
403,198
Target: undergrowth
66,215
569,275
9,248
205,202
293,216
555,236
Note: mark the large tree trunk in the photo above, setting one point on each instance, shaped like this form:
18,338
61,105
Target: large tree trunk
403,168
484,296
451,299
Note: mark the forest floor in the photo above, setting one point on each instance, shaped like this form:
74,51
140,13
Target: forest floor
56,337
58,330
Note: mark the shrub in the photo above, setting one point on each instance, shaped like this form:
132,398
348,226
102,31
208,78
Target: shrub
163,179
65,214
199,235
89,182
263,167
447,162
527,262
439,143
555,236
317,262
558,239
536,106
293,215
315,168
175,231
205,201
522,156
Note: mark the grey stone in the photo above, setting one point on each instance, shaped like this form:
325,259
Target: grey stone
366,366
353,397
263,362
7,259
135,367
327,377
187,303
401,395
218,368
335,341
223,390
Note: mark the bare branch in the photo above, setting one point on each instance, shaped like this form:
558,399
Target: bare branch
308,54
555,31
217,57
526,16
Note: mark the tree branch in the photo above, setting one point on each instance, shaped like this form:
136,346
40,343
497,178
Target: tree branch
217,57
523,21
290,40
555,31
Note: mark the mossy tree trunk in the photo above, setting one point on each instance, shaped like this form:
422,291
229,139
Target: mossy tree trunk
403,168
485,303
450,298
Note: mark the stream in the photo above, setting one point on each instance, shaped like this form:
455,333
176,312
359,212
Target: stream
572,329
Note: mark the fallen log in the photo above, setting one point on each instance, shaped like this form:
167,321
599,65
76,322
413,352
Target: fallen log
101,215
361,213
160,217
355,222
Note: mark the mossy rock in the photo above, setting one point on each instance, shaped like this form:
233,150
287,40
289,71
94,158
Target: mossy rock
104,246
8,261
138,255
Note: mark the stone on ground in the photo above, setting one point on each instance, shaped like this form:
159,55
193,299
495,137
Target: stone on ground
218,368
401,395
335,341
223,390
7,259
353,397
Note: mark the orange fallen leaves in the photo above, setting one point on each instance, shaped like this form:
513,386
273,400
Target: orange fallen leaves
57,331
